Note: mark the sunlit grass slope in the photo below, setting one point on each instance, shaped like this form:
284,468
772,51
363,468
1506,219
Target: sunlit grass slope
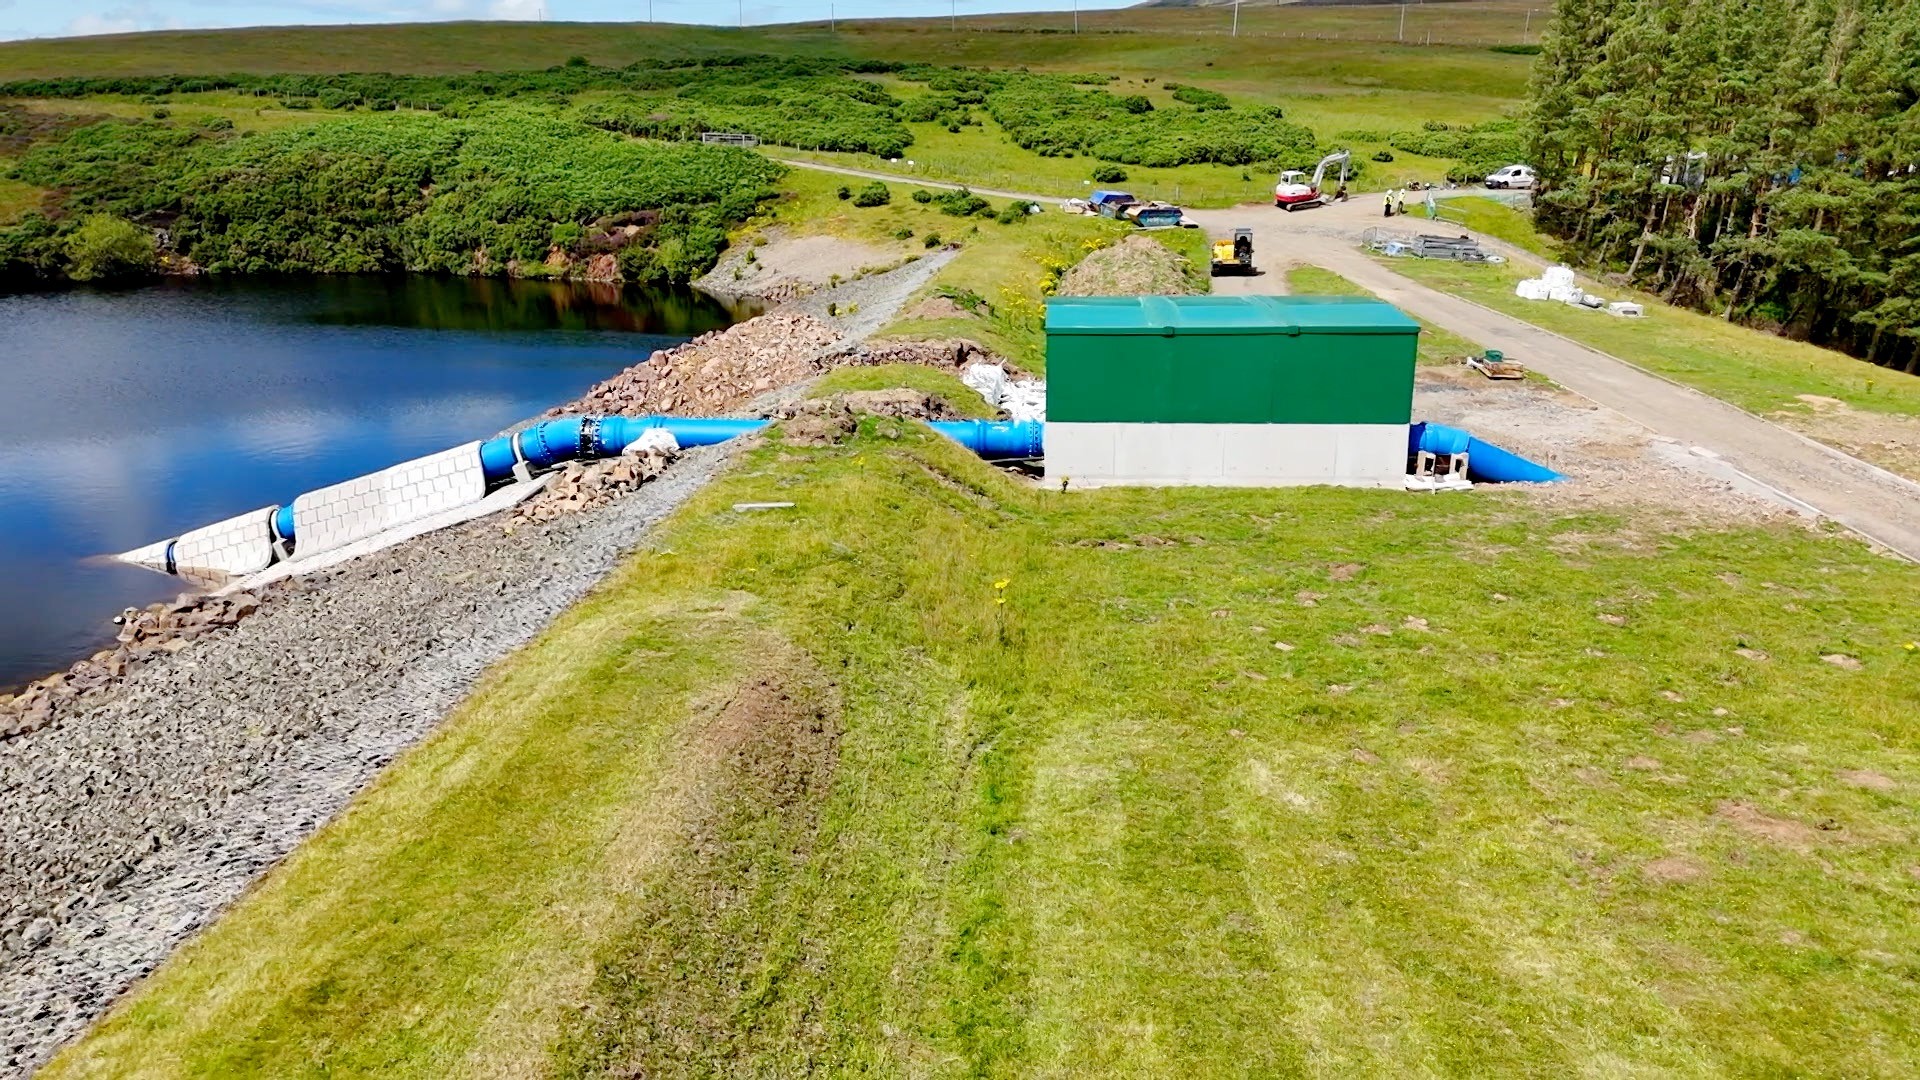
940,773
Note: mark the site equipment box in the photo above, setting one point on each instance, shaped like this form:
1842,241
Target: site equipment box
1229,390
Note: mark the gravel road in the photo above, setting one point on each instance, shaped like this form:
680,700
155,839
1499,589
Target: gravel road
1874,503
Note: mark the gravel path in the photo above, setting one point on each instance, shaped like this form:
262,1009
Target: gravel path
206,770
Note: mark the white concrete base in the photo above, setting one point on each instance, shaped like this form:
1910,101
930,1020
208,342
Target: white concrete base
1228,455
367,505
510,495
212,554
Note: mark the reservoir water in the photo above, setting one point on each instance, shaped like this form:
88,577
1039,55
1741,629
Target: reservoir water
130,416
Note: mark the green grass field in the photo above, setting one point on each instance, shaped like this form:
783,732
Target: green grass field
941,773
1322,49
1500,220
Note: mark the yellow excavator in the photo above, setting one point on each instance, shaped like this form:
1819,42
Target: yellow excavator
1233,254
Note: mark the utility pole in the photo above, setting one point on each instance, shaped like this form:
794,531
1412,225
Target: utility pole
743,13
1236,18
1076,16
1529,28
1402,36
831,27
953,16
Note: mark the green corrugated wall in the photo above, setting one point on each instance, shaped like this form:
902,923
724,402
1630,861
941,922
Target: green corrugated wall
1284,375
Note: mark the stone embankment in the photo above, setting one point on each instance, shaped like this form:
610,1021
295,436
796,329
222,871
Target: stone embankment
145,788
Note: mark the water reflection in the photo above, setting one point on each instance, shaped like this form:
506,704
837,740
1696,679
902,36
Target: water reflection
129,416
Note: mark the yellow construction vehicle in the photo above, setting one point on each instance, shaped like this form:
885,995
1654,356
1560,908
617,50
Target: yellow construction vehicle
1233,254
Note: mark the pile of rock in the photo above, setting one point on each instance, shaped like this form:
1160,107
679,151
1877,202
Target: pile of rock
158,629
720,371
589,485
946,354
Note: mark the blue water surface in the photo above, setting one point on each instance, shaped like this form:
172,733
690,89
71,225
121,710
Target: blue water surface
131,416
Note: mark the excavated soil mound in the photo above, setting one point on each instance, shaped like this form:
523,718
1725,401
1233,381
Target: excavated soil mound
1137,265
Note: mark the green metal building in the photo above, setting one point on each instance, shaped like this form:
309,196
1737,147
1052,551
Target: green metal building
1229,390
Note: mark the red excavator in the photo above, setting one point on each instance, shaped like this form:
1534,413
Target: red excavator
1295,191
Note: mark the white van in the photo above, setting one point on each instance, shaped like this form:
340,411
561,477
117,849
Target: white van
1513,176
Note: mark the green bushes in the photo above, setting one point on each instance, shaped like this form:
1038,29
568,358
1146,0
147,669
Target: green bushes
922,196
961,203
1197,97
1137,103
1050,116
874,194
1109,174
1481,148
106,247
411,192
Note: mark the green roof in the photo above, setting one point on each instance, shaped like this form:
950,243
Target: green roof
1173,316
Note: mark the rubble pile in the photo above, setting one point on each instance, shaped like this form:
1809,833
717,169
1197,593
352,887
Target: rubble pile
158,629
720,371
589,485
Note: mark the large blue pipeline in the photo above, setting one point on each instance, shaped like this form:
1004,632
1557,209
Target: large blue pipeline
1485,461
572,438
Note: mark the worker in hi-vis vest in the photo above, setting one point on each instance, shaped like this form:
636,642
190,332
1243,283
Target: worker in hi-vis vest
1389,202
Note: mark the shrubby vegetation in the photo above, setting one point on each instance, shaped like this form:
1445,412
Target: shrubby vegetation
1759,161
106,247
1197,97
484,194
1479,148
1048,115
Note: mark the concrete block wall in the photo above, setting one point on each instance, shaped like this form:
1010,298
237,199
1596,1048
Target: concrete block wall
333,516
232,548
1227,455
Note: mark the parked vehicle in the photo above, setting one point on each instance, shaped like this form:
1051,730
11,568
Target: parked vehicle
1513,176
1233,254
1295,191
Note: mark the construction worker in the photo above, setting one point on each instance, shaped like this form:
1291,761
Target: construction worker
1389,212
1400,203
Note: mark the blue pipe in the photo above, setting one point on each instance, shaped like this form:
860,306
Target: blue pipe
996,440
550,442
1485,461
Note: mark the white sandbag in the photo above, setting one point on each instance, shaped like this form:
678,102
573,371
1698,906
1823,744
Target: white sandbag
1558,276
1626,309
988,380
1531,289
1025,399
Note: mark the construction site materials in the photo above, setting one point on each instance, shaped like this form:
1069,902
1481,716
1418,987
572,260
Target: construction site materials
1495,365
1424,246
1626,309
1228,390
1020,399
1296,192
1558,283
1233,254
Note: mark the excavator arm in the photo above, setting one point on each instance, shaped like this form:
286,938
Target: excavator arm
1320,170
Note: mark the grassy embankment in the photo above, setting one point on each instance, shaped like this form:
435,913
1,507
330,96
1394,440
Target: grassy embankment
1231,783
